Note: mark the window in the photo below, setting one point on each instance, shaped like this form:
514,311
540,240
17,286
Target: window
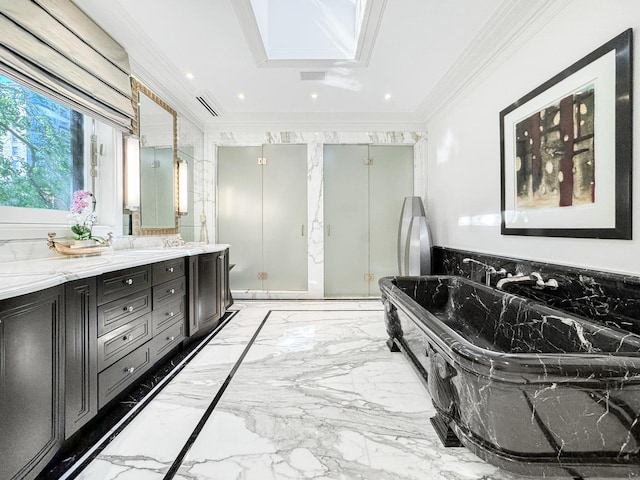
41,149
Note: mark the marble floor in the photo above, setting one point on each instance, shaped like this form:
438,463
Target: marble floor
289,390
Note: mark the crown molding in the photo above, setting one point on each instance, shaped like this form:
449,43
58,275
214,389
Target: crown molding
513,23
113,17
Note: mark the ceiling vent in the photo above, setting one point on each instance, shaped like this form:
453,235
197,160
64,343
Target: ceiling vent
206,105
318,76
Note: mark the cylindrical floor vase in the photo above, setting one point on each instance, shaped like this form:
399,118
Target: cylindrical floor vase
418,249
412,207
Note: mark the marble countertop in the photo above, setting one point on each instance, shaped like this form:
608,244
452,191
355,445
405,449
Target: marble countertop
27,276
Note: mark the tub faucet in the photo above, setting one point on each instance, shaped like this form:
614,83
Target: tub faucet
488,269
533,277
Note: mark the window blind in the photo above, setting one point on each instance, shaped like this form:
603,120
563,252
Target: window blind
57,50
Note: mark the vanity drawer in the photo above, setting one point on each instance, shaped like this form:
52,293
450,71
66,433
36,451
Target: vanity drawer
168,292
123,373
167,270
117,313
114,285
165,315
124,339
167,340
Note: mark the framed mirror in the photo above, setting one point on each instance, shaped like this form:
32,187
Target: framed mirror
156,127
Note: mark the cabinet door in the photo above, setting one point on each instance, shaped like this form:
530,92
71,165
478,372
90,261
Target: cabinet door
31,381
192,295
81,361
208,298
346,216
240,212
221,269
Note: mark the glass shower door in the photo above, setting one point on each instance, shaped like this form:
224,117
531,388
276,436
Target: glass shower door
364,187
240,213
262,214
346,217
390,180
284,217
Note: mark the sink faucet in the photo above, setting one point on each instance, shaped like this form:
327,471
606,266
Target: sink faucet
533,277
488,269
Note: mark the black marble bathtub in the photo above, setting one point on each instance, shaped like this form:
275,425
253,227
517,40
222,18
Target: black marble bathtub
528,388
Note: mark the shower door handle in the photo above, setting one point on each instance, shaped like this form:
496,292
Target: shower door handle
302,230
328,230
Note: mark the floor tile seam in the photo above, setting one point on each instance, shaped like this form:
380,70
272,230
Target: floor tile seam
177,463
346,310
114,431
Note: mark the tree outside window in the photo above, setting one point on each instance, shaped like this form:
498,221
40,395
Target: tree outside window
41,149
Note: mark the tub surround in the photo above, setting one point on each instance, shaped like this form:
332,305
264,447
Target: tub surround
610,299
566,387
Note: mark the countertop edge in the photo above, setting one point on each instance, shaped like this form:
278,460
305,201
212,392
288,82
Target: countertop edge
29,276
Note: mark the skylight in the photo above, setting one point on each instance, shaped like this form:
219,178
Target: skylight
310,30
316,29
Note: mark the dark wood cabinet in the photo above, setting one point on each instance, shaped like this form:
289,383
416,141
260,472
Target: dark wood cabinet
81,360
68,351
192,285
223,280
31,381
114,285
123,329
208,289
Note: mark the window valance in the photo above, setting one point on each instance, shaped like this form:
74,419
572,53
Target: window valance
56,49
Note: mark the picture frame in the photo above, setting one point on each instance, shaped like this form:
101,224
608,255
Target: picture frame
566,150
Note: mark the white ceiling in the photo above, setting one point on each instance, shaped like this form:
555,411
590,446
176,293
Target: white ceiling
422,52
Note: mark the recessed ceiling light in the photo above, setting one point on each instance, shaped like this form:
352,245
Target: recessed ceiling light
387,96
241,96
189,75
314,95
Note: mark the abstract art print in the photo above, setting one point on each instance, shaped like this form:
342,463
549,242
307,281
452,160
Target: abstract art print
555,154
566,151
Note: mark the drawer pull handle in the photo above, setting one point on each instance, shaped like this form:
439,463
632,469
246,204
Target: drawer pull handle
128,281
170,314
171,339
170,269
172,291
129,308
130,369
126,337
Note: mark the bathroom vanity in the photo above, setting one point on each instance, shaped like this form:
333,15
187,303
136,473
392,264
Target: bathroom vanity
77,333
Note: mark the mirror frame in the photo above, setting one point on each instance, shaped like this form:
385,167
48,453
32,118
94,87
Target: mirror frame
136,89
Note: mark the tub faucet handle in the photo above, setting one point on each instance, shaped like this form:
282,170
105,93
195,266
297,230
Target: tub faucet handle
488,269
551,283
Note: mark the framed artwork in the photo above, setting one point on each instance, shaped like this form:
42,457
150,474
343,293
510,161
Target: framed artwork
566,150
